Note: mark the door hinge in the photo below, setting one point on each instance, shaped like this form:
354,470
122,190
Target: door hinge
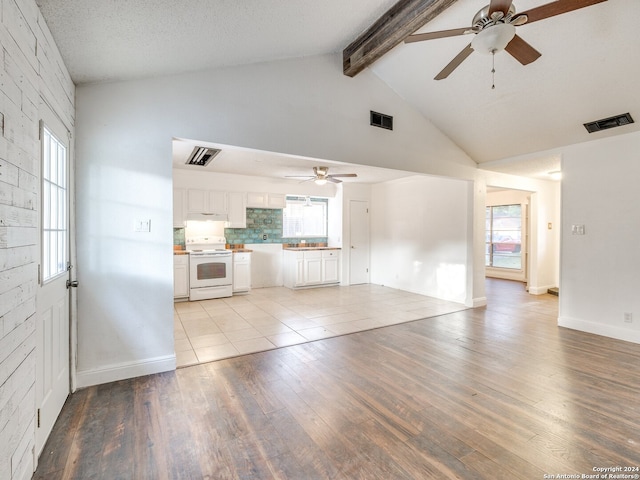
38,418
39,274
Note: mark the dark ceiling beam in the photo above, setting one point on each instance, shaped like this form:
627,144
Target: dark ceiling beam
400,21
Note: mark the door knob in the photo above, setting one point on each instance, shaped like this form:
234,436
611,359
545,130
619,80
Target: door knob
73,283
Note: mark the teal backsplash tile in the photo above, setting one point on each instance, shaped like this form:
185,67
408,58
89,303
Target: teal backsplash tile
260,222
178,237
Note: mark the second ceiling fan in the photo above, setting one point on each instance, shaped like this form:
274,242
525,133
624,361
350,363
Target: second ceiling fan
322,176
494,28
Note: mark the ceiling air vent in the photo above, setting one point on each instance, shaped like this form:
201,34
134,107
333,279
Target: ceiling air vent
611,122
381,120
201,156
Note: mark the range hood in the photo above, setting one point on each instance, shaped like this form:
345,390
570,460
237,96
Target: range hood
213,217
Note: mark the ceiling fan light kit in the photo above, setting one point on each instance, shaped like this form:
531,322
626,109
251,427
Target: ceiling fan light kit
321,176
492,40
494,27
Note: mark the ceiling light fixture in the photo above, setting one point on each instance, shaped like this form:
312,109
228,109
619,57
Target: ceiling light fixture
491,40
320,181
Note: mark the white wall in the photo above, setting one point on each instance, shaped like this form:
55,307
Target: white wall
227,182
600,281
305,107
28,76
420,236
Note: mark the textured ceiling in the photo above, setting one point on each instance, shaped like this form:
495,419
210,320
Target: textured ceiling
588,69
121,39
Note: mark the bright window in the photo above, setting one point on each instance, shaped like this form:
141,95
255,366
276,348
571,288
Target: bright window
54,206
304,217
504,237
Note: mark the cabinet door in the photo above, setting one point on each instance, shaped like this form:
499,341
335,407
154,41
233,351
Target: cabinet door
180,280
241,276
276,200
179,207
299,266
217,202
313,267
237,210
197,201
330,267
257,200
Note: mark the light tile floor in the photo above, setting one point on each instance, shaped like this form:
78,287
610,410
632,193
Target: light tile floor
269,318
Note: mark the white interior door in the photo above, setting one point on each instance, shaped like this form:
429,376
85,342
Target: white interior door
359,245
52,304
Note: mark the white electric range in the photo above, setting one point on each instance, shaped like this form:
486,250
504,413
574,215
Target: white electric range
210,268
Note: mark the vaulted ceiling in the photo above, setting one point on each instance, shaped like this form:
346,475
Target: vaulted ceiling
588,69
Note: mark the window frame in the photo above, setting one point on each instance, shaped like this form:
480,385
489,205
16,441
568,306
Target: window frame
54,206
299,200
490,242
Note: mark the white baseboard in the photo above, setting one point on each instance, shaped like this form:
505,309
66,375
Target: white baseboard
122,371
540,290
610,331
479,302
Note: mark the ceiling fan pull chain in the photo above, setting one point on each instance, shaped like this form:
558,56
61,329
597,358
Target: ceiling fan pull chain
493,69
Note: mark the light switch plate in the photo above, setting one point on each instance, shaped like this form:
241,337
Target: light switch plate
142,225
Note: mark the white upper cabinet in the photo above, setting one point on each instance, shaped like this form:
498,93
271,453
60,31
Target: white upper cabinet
237,204
206,201
265,200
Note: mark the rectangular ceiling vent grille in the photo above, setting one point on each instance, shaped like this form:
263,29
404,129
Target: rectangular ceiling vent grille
201,156
611,122
381,120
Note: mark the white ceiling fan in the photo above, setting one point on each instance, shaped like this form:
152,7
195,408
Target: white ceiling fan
322,176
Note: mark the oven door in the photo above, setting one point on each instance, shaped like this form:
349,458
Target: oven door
209,270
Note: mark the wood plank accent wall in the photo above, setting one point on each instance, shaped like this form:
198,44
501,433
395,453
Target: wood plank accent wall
400,21
31,68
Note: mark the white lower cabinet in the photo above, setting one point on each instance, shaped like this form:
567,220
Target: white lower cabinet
308,268
241,272
330,266
180,276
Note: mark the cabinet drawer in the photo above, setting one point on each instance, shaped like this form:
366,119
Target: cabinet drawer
241,257
181,259
312,254
330,253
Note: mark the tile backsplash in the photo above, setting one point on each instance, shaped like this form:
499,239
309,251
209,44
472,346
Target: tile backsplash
261,222
178,237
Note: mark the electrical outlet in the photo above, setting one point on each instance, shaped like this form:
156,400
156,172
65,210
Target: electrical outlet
264,236
577,229
628,317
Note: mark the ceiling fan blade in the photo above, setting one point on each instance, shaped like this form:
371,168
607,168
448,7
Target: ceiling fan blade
556,8
299,176
333,180
522,51
343,175
453,64
419,37
499,6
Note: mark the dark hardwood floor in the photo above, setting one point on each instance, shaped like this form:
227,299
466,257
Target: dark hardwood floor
496,392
